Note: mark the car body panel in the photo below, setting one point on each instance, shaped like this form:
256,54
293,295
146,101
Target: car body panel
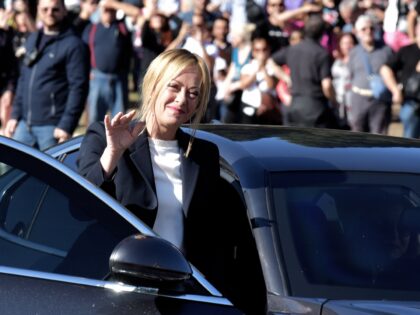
29,295
371,307
25,291
249,155
295,149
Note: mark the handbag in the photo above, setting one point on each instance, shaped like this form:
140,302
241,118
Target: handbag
379,89
412,87
376,83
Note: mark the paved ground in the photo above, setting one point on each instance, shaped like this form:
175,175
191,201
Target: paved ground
395,129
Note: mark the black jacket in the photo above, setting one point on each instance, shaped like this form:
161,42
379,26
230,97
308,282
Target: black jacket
53,90
9,65
133,185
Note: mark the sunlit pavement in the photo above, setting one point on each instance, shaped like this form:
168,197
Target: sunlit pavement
395,128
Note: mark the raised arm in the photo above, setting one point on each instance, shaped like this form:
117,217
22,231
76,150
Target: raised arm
119,136
129,9
281,18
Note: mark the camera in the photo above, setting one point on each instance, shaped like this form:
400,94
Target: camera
31,58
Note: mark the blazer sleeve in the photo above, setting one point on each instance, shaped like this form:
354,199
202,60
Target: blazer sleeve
91,149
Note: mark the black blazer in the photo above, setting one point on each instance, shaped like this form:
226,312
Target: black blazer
133,185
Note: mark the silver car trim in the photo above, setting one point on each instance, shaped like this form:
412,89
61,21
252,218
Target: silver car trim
62,278
201,298
100,194
115,286
31,245
203,281
66,150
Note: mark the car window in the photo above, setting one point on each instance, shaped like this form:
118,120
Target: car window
349,229
70,159
50,223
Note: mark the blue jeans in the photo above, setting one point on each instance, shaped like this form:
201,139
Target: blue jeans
410,118
41,137
107,92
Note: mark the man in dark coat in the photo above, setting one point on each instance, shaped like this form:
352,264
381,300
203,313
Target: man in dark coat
53,83
310,68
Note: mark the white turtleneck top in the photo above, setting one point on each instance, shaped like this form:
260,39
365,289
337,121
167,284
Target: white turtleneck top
166,163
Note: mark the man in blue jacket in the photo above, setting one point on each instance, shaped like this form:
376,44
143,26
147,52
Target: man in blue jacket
54,81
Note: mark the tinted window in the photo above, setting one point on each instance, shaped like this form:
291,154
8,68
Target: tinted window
358,230
49,223
70,159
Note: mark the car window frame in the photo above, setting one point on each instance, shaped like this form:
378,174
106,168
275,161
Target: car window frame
53,158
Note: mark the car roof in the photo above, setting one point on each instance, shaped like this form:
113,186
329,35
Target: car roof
278,148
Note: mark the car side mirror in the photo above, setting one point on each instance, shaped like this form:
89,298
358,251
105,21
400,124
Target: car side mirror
141,257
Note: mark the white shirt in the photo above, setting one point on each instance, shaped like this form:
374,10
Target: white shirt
166,162
252,94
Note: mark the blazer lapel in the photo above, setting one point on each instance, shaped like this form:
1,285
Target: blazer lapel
189,171
140,155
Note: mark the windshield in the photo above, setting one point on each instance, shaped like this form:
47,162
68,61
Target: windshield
349,230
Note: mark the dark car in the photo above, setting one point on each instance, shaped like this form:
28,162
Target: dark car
321,222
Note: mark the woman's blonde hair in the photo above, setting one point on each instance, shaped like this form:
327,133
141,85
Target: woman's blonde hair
165,67
243,31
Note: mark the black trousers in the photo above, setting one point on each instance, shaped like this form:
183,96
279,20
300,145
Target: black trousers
306,111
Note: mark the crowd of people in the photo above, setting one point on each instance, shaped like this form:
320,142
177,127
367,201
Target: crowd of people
302,63
284,62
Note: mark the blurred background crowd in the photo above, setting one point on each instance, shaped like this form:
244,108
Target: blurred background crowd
290,62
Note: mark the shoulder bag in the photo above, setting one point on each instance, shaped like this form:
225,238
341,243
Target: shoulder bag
376,83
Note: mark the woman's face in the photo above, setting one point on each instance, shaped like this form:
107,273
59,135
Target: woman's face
156,23
274,7
346,44
260,50
220,29
20,20
178,100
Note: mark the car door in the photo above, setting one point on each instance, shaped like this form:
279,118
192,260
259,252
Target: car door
57,232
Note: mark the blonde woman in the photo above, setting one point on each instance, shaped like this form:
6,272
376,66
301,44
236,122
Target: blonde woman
164,175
